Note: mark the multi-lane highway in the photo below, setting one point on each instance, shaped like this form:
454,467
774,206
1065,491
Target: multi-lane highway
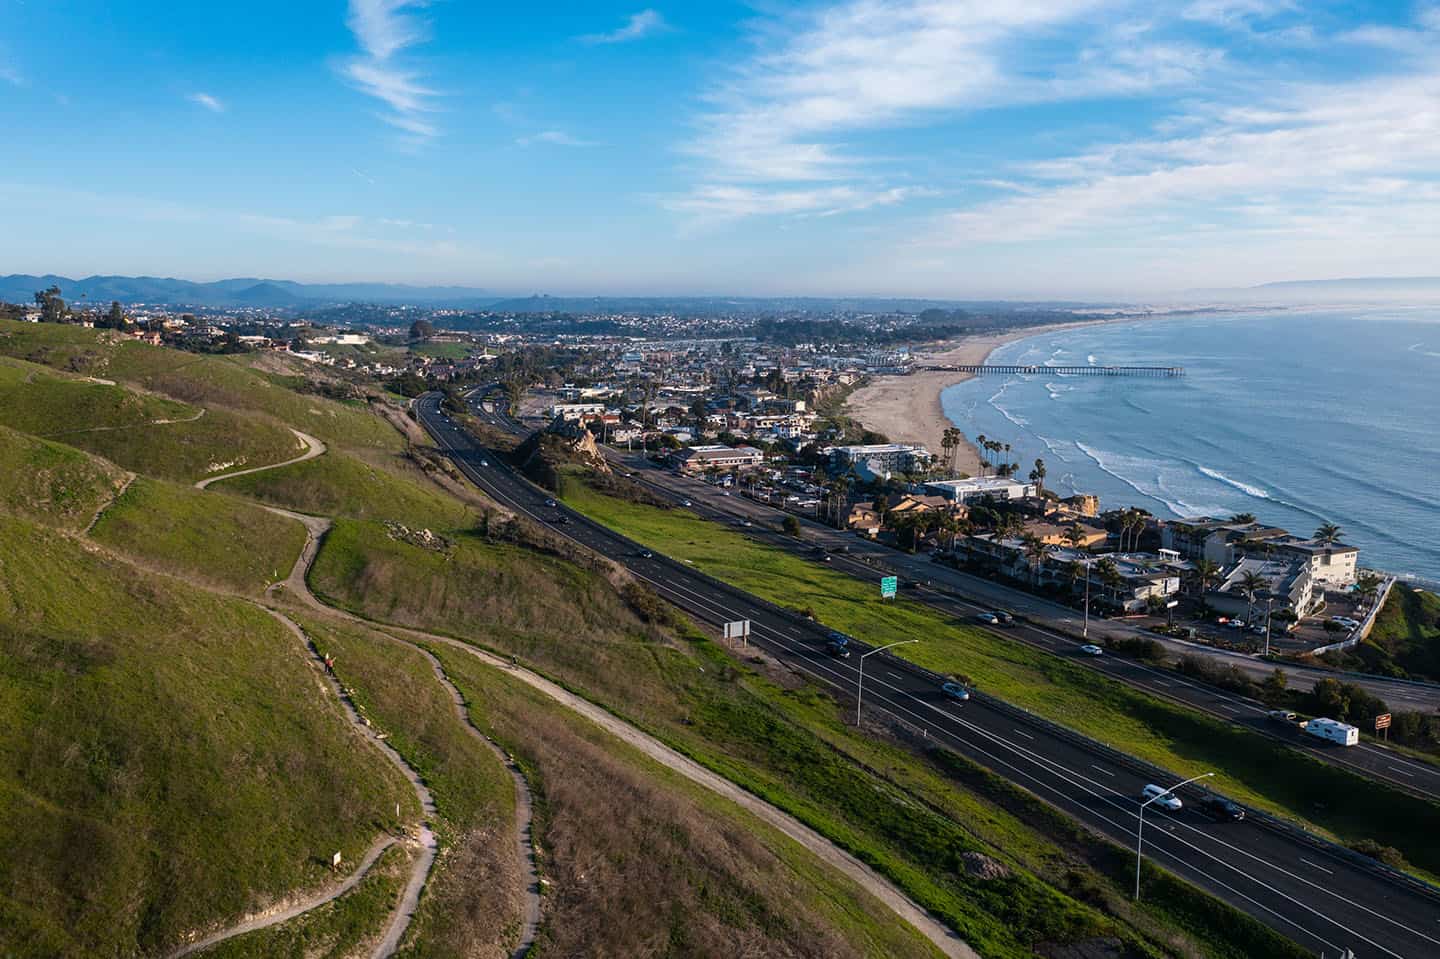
1321,896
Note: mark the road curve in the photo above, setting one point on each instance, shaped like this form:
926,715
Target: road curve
313,448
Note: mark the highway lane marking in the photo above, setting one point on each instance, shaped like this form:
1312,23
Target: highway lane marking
1403,772
1058,771
1315,865
1023,733
1101,769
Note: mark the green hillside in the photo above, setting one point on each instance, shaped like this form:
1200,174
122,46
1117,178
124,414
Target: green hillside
1405,641
178,765
207,537
51,483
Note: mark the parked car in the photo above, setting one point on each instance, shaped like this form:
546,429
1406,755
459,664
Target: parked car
1161,797
1090,649
1218,807
956,691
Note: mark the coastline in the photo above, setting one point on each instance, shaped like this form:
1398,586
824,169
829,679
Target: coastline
907,408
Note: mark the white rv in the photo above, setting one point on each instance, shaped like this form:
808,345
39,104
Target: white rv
1333,731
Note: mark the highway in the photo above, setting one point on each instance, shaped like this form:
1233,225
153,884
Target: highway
1321,896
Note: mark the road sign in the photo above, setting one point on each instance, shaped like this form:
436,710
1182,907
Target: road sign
1382,721
888,587
737,629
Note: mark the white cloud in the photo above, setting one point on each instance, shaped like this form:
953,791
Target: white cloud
1334,160
641,24
1231,13
793,112
728,201
207,101
11,75
554,138
385,29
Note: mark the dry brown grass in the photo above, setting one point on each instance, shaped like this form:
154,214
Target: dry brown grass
642,863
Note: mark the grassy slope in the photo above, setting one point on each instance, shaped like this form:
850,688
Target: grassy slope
52,483
334,930
127,427
210,537
780,745
373,486
711,880
1405,641
226,381
474,794
179,762
1253,769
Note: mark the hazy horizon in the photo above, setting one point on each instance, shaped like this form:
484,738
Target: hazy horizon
1072,149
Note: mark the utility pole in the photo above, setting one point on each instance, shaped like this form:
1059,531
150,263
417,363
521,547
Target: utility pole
1085,632
860,683
1140,831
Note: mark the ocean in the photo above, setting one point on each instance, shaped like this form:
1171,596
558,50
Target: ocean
1300,417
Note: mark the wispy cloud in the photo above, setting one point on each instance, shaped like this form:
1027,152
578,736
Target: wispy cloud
641,24
207,101
385,29
792,113
725,202
555,138
11,75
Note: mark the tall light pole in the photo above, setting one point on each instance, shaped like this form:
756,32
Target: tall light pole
1085,632
1140,831
860,683
1269,601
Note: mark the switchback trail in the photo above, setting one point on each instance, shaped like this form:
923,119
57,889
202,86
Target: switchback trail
858,872
313,448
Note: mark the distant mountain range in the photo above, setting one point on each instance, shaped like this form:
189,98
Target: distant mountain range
239,292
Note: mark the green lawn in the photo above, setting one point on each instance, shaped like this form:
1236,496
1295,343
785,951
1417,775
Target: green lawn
208,537
1251,768
51,483
178,766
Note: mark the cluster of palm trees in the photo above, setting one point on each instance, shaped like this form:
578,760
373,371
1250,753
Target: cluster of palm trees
950,442
995,447
1132,524
913,526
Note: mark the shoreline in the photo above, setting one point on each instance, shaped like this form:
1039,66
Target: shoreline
907,409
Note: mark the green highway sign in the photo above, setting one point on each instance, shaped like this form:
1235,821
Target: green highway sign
888,586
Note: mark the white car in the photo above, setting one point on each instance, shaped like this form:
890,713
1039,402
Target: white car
1162,797
1090,649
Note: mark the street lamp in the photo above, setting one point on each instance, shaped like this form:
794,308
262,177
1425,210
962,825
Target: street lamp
860,683
1140,831
1269,602
1085,632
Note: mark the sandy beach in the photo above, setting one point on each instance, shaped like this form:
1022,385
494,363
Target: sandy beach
907,408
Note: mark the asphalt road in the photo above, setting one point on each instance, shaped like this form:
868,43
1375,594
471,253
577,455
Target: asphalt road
951,592
1312,892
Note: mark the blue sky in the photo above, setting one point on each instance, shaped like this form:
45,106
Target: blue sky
1023,149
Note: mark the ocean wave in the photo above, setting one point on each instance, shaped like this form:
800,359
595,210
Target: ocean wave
1099,457
1420,348
1128,401
1245,488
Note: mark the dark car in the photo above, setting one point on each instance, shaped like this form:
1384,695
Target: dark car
838,649
1218,807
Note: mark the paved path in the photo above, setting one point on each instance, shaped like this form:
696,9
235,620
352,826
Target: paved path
313,448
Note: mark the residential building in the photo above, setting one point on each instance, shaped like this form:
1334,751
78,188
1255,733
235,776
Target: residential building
979,488
698,459
1288,585
880,458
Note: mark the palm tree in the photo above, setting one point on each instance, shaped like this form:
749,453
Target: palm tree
1074,535
1035,551
1074,569
982,444
1037,475
1109,574
1367,586
1243,518
1250,584
1205,572
1328,533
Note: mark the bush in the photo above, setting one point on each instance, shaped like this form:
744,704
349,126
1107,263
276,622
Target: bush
1388,855
1137,647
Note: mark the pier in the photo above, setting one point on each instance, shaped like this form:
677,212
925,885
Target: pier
1165,371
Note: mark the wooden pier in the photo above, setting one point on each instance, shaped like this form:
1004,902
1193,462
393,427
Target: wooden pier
1164,371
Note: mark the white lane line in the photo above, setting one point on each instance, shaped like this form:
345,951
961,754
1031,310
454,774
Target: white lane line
1403,772
1023,733
1101,769
1314,865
